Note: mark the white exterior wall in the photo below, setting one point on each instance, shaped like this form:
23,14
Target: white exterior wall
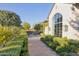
66,12
46,32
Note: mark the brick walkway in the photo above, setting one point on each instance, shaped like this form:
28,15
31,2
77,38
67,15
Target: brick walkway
38,48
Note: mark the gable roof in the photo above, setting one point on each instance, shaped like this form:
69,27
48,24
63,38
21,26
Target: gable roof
50,10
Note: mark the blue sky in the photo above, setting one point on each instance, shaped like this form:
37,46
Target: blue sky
31,13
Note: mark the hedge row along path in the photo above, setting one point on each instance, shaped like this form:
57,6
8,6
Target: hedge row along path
38,48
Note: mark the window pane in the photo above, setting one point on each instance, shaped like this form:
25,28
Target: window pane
58,25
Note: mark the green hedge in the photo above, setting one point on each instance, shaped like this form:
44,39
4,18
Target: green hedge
24,50
10,51
62,46
13,41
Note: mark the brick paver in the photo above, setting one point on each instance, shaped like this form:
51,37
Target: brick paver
38,48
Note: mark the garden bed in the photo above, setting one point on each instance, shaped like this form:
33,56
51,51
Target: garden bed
62,46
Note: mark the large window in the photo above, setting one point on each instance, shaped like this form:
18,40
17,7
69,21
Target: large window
58,25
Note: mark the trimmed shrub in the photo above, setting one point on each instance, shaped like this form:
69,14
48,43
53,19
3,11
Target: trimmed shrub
24,50
62,46
10,37
10,51
13,43
61,41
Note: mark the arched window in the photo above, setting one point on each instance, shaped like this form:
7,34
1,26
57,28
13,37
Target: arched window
58,25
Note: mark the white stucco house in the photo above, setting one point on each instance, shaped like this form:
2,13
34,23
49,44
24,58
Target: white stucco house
63,21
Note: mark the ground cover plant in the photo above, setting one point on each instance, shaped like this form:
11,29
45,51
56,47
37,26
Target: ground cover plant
62,46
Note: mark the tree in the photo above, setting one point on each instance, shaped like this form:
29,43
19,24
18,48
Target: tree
76,5
74,21
8,18
26,26
38,27
45,23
